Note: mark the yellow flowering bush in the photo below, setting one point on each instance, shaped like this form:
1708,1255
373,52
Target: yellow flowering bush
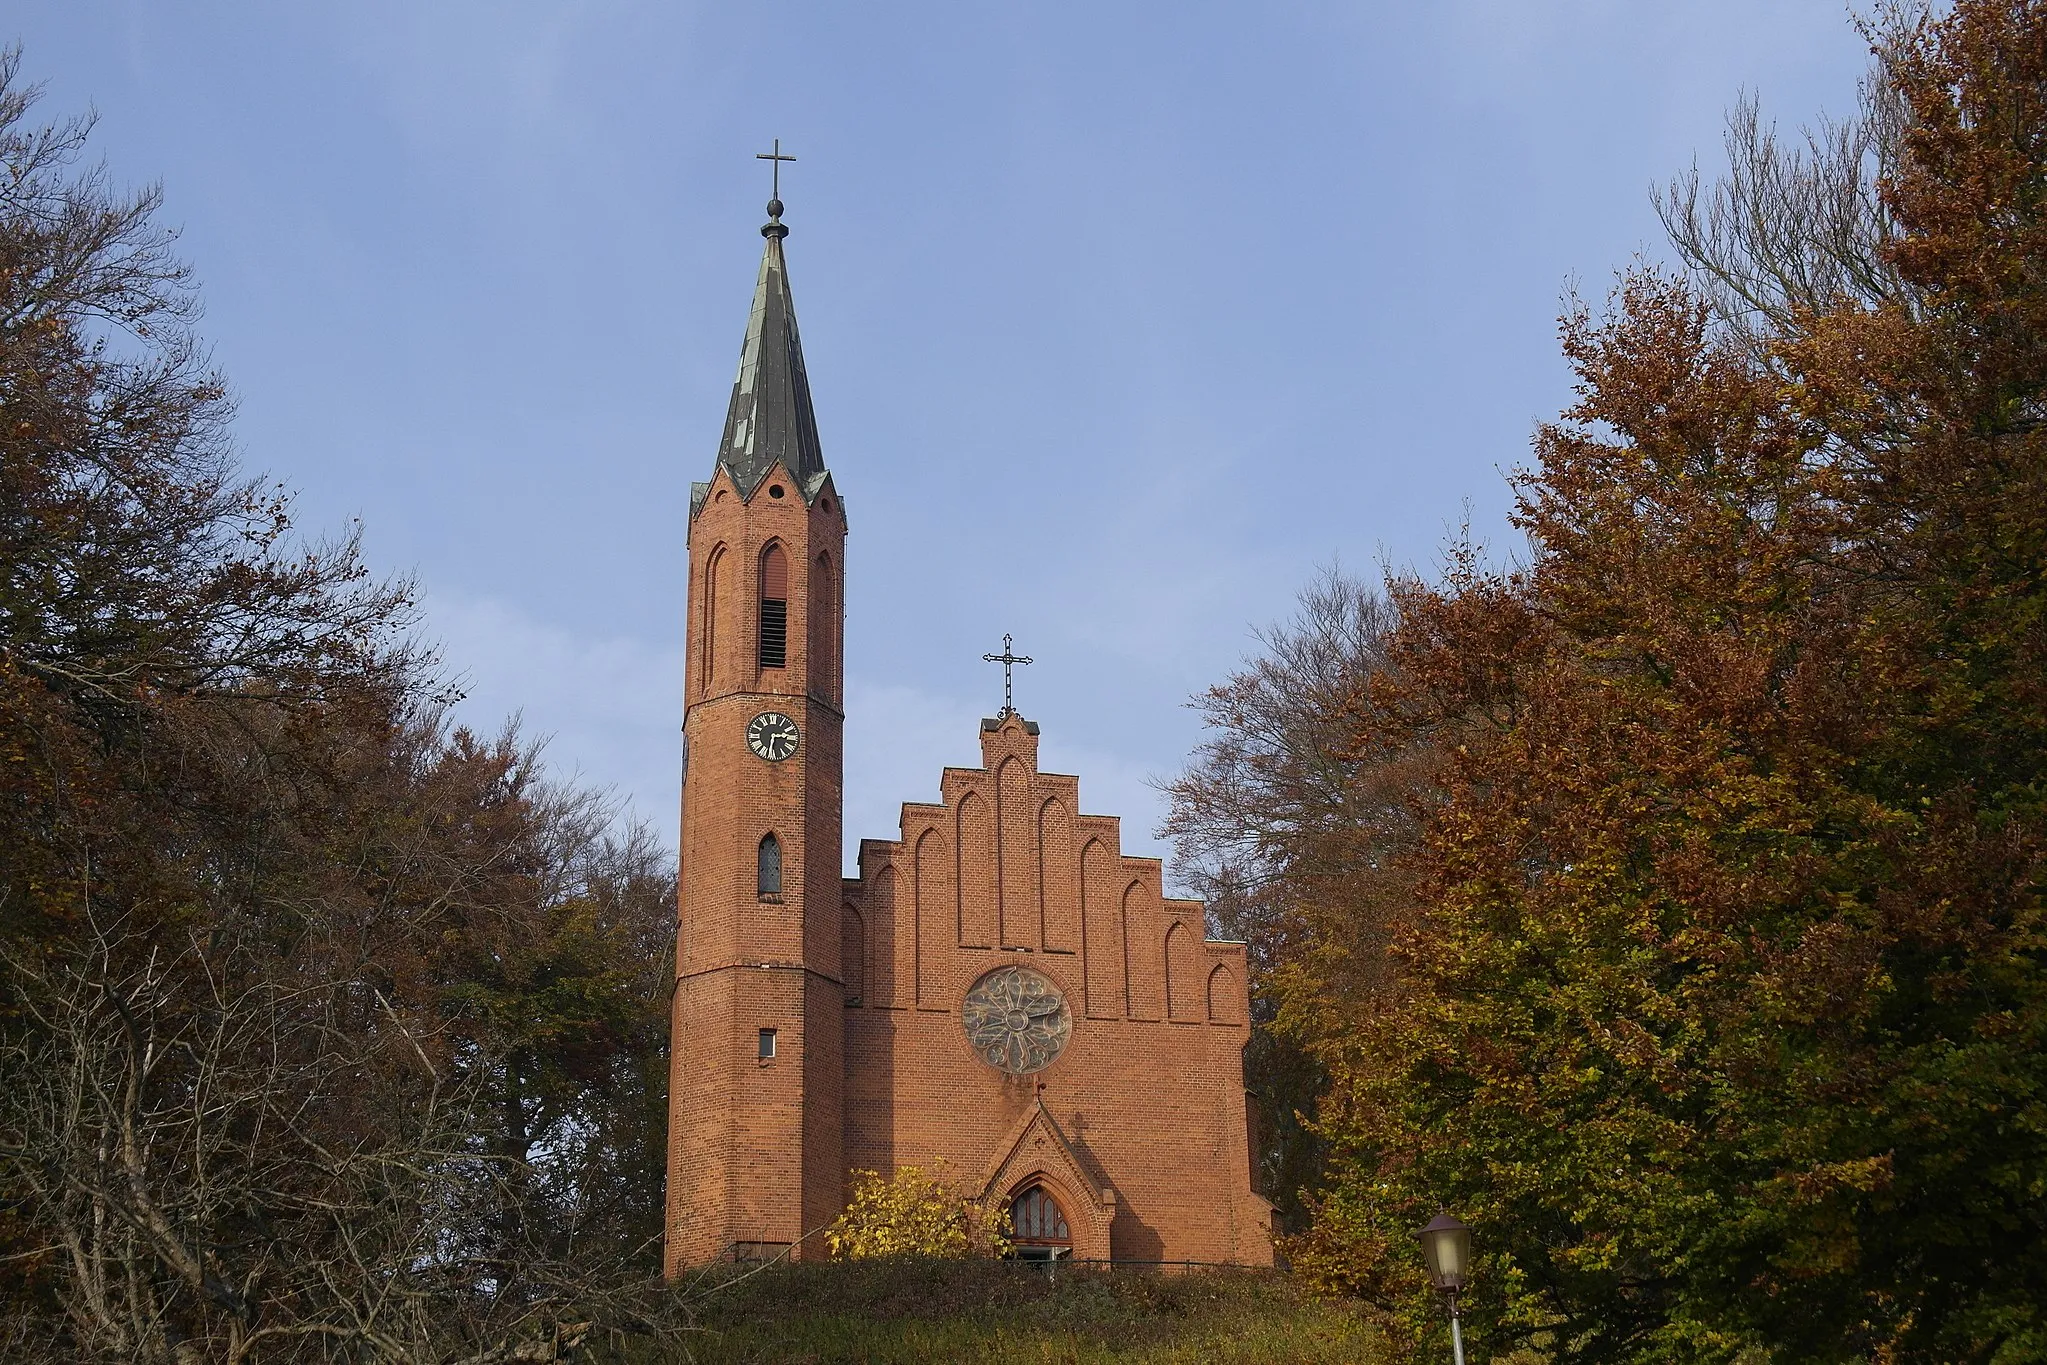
915,1213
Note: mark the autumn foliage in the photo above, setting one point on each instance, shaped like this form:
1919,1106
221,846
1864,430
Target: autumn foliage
1697,957
327,1031
914,1212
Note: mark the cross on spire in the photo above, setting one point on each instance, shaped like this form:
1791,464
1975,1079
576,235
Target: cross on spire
1008,658
775,160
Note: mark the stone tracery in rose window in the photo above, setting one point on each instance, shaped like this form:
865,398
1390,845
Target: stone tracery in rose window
1017,1020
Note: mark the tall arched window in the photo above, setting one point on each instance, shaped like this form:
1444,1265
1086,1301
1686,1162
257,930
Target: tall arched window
768,875
774,608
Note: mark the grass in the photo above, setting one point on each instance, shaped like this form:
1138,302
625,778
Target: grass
996,1313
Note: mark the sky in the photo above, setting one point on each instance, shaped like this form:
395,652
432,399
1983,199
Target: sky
1123,320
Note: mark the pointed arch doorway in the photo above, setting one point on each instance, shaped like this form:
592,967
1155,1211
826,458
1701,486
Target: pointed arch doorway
1039,1230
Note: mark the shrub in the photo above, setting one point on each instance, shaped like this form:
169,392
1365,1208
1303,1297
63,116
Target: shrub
915,1213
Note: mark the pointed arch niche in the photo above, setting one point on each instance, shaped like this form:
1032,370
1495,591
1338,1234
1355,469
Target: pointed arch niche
975,875
934,915
1019,917
824,628
1058,879
853,955
707,623
894,941
1102,924
1225,997
1143,968
1183,975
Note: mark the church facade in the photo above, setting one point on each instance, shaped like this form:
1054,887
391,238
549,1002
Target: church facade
1000,994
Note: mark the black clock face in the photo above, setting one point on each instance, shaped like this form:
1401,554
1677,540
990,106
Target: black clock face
771,735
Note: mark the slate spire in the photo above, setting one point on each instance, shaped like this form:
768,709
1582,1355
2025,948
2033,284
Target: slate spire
770,417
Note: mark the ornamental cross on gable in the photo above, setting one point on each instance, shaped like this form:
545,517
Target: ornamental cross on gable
1009,659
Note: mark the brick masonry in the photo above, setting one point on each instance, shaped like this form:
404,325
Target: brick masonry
1138,1129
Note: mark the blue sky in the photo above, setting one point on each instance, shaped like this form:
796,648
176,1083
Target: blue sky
1121,318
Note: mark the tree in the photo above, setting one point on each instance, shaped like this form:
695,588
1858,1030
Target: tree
1719,1010
219,1183
325,1032
544,948
1795,229
1279,827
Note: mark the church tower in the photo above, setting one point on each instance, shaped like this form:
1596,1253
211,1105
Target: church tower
757,1070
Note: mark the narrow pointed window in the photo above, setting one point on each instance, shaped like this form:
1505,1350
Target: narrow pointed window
768,879
774,608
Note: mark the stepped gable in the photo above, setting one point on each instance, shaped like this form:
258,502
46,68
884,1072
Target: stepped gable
1006,862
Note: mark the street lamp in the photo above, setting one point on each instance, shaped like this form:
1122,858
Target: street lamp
1446,1251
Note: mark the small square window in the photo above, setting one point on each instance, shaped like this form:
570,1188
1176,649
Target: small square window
767,1051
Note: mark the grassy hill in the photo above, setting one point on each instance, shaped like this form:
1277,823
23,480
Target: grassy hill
994,1312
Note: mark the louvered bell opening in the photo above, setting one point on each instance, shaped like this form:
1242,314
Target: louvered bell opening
774,608
774,633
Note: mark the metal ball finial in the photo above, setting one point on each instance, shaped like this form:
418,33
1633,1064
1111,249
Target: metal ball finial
775,227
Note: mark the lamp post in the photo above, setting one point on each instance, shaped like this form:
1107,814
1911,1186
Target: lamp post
1446,1251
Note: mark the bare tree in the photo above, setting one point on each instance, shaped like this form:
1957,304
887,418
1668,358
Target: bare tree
234,1167
1292,837
1798,226
1271,806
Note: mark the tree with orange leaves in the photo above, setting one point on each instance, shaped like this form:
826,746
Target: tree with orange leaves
324,1031
1721,1009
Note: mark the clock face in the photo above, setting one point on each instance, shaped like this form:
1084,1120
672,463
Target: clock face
771,735
1017,1020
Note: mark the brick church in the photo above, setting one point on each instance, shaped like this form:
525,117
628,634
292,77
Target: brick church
1001,988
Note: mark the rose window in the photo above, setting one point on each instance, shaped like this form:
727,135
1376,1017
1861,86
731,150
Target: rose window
1017,1020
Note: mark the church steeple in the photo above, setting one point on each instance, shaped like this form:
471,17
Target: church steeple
757,1069
770,418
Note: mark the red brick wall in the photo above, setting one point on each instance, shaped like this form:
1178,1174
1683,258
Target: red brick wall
863,980
754,1147
1152,1106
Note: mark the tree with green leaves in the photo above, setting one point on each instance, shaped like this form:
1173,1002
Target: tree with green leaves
1719,1002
